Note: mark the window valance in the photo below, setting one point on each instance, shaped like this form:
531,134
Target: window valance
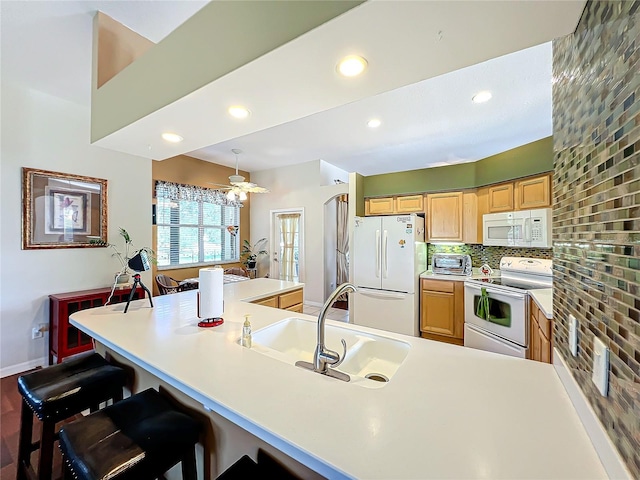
177,191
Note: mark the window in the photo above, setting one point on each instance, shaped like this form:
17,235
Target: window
195,226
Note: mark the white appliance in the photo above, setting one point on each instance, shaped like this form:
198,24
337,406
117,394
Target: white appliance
496,309
525,228
388,255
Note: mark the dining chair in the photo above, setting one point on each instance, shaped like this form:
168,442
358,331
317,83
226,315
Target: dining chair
167,285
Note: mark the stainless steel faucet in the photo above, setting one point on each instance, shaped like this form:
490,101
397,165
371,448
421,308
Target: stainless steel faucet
324,358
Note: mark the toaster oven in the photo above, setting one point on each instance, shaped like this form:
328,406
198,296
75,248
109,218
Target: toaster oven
451,264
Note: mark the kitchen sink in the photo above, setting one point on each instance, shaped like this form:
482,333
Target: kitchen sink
371,360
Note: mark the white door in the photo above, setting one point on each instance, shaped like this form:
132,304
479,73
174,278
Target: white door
365,252
287,238
398,253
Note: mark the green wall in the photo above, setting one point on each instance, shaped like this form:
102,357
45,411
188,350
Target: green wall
529,159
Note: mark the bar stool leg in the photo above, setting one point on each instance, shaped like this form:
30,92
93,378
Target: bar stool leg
45,464
189,465
24,445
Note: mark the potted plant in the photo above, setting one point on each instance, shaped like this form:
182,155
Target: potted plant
123,257
250,252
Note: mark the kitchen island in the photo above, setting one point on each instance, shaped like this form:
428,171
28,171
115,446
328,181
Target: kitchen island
448,412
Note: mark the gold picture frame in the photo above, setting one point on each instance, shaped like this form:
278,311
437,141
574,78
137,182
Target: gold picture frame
62,210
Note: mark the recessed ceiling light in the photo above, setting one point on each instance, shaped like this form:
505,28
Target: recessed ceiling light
172,137
352,65
481,97
374,123
238,111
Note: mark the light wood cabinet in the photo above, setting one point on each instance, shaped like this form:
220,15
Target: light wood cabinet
525,194
379,206
409,204
444,216
292,301
394,205
501,198
267,302
533,193
442,310
540,334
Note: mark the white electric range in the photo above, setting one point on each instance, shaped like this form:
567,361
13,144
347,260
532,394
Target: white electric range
496,309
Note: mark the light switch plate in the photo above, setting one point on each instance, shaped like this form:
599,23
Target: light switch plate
573,335
600,375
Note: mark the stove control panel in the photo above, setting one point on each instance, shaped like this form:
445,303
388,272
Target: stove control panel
539,266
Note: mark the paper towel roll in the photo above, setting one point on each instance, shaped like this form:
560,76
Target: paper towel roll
211,292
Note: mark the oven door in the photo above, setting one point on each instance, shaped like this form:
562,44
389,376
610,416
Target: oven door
497,311
480,340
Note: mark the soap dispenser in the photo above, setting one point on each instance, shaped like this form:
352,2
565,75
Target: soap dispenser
246,332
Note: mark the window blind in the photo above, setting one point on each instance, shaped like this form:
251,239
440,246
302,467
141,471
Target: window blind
195,225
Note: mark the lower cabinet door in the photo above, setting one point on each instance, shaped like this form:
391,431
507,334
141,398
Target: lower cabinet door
438,313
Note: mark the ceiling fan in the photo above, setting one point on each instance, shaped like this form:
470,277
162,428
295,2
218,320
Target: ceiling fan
239,188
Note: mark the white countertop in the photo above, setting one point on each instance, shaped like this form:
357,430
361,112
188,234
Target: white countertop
544,299
449,411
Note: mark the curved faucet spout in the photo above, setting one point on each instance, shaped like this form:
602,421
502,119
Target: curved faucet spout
324,357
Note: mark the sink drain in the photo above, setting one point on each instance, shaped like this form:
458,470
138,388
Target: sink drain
377,377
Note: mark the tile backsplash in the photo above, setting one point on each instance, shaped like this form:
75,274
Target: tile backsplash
491,255
596,216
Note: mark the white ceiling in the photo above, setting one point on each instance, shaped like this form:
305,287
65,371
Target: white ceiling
428,123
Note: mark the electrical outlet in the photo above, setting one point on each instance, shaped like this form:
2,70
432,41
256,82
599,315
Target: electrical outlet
600,375
573,335
36,333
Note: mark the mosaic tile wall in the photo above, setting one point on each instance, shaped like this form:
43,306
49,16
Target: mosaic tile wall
596,217
491,255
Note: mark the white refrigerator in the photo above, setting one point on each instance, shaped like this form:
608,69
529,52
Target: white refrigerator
388,255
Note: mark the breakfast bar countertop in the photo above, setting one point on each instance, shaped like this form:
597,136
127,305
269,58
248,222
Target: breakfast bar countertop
448,411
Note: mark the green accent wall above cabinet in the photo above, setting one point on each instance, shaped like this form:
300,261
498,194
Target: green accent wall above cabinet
530,159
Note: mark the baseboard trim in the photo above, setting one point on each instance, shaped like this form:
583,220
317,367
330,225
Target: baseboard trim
606,450
23,367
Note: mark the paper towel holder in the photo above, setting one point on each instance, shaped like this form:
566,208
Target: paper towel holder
208,322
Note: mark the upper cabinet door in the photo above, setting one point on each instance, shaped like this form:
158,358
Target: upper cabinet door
533,193
501,198
379,206
409,204
444,216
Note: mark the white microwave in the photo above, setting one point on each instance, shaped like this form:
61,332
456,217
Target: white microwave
526,228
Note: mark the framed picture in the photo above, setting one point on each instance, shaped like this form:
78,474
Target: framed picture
61,210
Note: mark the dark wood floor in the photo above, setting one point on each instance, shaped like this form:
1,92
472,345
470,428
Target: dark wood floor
10,401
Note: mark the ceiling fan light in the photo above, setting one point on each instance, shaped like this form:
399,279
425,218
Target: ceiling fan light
231,196
242,196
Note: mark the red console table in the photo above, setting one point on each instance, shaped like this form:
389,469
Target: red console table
66,340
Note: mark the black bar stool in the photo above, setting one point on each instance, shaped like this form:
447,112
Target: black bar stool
139,438
57,393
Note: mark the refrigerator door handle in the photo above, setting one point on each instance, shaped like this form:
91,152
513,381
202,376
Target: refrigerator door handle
387,295
386,254
377,253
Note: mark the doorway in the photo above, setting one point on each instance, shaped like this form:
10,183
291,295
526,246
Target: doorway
287,238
